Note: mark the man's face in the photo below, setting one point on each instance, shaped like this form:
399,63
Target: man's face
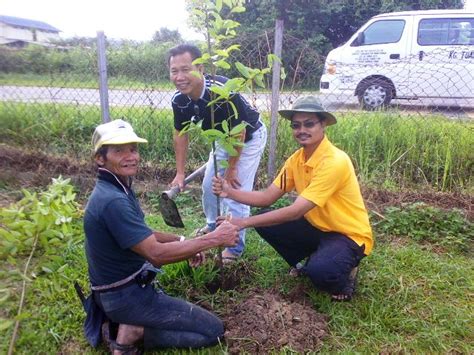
121,159
307,128
181,75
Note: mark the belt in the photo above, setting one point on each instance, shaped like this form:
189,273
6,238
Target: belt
143,278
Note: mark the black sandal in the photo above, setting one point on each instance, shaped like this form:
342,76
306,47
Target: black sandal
126,349
348,291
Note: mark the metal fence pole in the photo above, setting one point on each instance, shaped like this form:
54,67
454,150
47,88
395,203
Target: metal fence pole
103,87
275,100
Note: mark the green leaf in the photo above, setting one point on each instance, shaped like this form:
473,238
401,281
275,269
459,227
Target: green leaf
213,133
222,64
219,5
242,69
220,91
5,324
223,164
259,80
233,47
225,126
238,9
230,149
238,129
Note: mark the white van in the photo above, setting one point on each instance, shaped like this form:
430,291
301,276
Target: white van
416,55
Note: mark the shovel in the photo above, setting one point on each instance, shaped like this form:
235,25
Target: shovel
168,208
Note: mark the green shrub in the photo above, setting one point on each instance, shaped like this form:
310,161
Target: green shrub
423,223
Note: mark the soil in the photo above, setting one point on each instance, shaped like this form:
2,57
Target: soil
21,168
273,322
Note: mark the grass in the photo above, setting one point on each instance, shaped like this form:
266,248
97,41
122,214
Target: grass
79,80
411,298
388,149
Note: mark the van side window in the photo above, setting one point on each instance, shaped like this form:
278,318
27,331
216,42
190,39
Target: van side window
446,31
380,32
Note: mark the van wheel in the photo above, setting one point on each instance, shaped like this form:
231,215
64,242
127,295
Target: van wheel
375,94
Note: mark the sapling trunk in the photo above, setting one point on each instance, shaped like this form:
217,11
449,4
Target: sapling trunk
214,157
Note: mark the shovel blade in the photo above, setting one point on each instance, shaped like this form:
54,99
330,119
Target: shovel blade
170,212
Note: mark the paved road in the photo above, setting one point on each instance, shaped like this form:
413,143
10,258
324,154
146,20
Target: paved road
161,99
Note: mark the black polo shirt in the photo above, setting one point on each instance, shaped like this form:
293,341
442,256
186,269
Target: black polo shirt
113,224
186,110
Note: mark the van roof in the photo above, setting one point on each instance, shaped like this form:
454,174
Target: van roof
427,12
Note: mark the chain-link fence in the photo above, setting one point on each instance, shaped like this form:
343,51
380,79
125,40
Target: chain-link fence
430,91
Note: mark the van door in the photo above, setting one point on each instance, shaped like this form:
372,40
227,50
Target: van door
442,58
379,56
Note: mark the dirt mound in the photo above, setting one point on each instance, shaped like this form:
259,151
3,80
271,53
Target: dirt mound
266,322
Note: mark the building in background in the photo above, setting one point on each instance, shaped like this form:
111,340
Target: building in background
19,32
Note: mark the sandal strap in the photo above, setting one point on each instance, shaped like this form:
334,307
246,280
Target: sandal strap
126,349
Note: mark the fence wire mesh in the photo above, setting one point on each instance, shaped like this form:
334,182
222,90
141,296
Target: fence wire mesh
434,92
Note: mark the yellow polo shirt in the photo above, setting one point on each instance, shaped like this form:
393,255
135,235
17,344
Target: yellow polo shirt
329,181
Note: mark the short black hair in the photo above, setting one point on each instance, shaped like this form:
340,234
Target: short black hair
102,152
184,48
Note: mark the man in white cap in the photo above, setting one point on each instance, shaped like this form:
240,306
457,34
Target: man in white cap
327,224
123,255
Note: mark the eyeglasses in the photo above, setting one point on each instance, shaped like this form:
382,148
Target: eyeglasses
305,124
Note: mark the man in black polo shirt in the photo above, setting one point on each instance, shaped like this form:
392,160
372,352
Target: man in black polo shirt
190,103
123,255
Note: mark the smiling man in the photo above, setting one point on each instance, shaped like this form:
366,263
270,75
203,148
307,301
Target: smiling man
326,232
190,103
124,254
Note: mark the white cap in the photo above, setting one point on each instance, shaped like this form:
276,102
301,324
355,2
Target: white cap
114,132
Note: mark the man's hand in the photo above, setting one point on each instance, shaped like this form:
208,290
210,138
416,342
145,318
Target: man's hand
220,187
178,181
232,178
238,222
228,234
197,259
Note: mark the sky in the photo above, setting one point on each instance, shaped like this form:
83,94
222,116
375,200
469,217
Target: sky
125,19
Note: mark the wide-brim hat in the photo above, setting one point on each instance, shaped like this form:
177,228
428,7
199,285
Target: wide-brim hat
309,104
115,132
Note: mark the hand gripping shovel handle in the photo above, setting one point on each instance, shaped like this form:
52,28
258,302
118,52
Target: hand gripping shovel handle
171,193
168,208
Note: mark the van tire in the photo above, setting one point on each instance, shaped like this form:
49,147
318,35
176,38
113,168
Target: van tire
375,94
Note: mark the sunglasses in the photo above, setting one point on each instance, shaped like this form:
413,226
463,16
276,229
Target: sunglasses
305,124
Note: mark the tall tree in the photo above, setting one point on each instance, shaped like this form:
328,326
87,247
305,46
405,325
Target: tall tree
166,35
327,23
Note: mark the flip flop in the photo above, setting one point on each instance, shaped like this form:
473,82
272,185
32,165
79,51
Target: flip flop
348,291
229,257
125,349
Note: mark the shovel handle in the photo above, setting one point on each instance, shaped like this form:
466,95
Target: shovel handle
171,193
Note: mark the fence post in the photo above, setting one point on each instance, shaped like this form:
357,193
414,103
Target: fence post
103,87
275,100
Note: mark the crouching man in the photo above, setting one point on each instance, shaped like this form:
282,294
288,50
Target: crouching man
326,231
123,255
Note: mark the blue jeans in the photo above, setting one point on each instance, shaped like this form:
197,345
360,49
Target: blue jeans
331,256
247,168
168,321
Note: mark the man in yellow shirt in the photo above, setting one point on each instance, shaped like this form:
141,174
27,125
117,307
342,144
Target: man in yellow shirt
328,224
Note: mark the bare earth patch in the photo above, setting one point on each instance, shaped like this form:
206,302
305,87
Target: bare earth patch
266,322
25,169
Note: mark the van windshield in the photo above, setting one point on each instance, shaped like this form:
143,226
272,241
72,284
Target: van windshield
379,32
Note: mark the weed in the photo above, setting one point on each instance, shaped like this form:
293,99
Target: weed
423,223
